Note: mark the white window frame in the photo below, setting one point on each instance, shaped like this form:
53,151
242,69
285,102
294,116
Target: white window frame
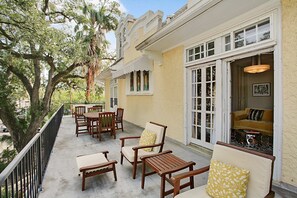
202,53
256,34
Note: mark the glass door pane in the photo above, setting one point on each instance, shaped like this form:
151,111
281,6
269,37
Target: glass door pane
203,94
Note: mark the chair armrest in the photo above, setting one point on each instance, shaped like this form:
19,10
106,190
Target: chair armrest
153,155
147,146
177,178
127,138
86,168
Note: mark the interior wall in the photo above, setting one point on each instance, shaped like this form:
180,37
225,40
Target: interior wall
242,84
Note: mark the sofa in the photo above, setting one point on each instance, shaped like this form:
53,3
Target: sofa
260,120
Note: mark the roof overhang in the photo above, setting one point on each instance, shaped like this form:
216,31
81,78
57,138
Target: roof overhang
104,75
201,17
143,63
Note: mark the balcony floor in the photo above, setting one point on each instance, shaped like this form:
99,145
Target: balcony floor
62,180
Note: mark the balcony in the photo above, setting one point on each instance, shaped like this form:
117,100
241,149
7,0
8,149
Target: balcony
61,176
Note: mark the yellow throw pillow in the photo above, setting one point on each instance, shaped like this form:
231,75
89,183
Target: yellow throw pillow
147,138
226,180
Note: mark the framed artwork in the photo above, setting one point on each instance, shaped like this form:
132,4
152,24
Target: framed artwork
261,89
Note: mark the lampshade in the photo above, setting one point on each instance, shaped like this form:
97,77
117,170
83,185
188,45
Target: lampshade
256,68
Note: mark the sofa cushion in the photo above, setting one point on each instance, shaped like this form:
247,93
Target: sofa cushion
255,114
225,180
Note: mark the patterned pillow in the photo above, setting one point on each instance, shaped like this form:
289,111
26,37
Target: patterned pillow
147,138
226,180
255,114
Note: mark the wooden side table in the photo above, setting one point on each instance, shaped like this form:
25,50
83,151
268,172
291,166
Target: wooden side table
164,164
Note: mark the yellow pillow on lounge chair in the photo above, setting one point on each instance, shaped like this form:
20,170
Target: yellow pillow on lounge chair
226,180
147,138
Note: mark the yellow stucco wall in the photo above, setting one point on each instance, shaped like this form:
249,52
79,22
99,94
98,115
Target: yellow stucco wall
166,104
289,55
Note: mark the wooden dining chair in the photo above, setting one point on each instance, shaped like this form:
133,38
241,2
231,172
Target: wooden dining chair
106,124
80,121
100,107
119,119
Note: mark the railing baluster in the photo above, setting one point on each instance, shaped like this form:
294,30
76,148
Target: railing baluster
23,176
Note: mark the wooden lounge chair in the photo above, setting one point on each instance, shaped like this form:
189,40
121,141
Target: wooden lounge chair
133,153
258,165
95,164
119,119
106,124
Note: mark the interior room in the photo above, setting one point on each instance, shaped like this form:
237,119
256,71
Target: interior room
252,102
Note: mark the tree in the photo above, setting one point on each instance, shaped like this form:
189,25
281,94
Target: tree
33,40
99,20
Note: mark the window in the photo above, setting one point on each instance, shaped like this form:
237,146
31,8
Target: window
131,81
227,42
139,82
252,34
210,48
146,84
201,51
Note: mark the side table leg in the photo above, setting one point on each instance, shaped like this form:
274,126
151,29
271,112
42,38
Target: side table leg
162,190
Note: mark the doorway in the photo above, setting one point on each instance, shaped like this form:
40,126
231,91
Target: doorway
252,102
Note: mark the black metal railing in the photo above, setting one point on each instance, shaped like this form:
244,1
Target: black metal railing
24,175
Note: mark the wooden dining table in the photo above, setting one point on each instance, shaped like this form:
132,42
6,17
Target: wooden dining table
91,118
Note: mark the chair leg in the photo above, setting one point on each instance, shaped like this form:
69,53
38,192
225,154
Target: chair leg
134,169
122,158
83,181
114,172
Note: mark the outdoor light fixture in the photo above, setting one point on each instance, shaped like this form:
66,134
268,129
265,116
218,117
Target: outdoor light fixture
257,68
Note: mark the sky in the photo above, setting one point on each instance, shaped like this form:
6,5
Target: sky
139,7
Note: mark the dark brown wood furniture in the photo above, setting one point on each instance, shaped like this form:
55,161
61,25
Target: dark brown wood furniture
80,120
95,164
119,119
165,164
100,107
106,124
258,164
92,118
134,152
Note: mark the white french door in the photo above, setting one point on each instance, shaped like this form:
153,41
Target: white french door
203,92
113,93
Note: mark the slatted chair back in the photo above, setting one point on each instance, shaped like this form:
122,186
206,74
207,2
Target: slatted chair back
119,119
100,107
106,123
79,113
95,109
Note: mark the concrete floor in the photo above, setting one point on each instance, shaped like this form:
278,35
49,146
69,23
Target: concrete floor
62,180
